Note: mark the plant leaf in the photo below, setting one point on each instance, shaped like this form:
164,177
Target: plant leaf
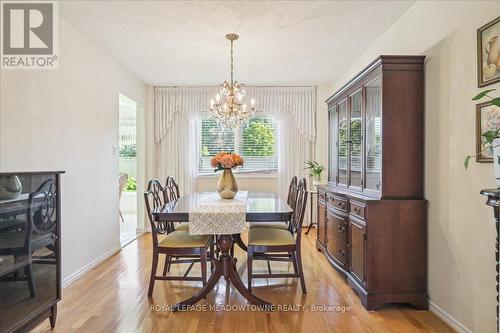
482,94
466,162
489,136
496,101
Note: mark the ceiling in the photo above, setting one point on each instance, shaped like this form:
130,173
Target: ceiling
281,42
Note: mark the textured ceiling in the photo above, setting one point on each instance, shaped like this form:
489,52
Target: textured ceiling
281,42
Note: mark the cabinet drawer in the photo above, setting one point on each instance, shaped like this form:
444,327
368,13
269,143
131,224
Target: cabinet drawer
337,249
337,226
337,202
357,208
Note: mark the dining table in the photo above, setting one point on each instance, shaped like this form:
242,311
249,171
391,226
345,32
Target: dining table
260,207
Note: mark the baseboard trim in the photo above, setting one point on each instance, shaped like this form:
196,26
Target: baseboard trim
448,319
90,266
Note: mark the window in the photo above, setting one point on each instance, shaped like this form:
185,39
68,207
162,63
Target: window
256,143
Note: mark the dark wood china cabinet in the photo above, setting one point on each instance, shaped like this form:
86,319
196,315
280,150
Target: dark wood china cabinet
372,222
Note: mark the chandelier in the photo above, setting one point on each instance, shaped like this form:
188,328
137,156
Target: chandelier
229,108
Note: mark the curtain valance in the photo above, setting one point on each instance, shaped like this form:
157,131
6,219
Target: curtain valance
275,102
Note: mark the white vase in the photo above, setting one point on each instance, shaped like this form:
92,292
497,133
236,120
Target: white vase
496,157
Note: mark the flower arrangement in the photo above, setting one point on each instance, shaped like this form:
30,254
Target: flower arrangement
225,161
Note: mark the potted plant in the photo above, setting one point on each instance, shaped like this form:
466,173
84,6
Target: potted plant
227,187
491,137
315,171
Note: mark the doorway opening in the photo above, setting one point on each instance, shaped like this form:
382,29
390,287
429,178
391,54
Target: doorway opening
128,165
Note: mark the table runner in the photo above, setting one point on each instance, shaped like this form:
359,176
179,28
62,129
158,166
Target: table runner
216,216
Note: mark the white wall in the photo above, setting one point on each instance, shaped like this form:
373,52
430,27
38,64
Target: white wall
461,229
67,119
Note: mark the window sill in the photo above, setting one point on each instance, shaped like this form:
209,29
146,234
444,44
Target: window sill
243,175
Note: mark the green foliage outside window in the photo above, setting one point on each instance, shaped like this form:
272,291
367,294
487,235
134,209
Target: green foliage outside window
128,150
131,185
259,138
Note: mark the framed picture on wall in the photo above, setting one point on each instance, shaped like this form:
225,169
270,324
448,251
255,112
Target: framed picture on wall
487,119
488,53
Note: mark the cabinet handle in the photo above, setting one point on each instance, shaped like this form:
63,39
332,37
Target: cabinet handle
357,210
341,252
341,228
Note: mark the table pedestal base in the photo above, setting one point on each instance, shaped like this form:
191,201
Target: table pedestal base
225,267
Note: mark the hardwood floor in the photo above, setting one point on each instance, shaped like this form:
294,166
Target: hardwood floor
113,298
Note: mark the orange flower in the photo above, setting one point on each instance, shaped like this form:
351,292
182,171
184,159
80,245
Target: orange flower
214,162
237,159
227,161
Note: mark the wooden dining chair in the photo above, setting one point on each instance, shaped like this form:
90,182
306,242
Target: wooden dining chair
276,244
291,198
174,243
171,193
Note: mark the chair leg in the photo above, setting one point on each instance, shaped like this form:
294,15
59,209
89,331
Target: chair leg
166,266
154,267
294,261
298,256
29,276
203,262
249,266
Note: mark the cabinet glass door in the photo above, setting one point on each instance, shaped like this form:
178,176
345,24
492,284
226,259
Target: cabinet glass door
29,248
356,139
342,142
373,151
332,156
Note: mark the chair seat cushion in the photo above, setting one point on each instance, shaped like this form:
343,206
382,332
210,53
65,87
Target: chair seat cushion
270,237
276,225
182,226
182,239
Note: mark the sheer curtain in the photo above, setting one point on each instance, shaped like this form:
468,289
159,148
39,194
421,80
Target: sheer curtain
293,149
175,112
177,108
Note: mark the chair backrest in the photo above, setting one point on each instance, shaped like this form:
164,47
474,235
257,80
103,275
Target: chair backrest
122,182
299,208
292,192
171,190
42,211
154,197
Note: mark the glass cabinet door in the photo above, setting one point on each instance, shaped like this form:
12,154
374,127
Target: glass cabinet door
343,120
29,248
373,151
356,139
332,150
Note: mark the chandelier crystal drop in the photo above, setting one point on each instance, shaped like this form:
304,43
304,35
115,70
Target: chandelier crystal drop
229,108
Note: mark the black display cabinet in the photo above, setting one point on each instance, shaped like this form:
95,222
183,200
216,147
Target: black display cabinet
30,249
